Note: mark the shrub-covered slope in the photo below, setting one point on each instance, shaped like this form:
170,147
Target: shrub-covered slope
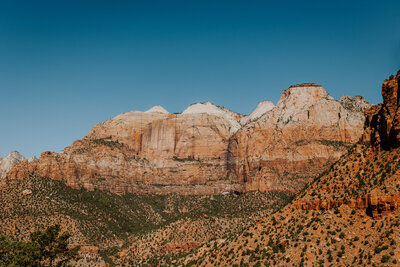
113,223
349,215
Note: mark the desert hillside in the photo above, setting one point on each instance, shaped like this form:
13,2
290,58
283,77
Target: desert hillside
348,216
140,226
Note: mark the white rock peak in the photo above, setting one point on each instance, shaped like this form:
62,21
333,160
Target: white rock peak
262,108
15,155
299,96
157,109
8,162
32,159
211,109
206,107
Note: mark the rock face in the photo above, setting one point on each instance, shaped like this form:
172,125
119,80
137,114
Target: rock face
32,159
291,143
151,151
208,149
27,192
383,121
8,162
157,109
376,204
262,108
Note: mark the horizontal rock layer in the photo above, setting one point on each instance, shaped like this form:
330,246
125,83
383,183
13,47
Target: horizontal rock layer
375,205
208,149
304,134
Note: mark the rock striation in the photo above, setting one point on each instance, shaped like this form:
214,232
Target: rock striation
297,139
376,204
151,151
355,205
209,149
262,108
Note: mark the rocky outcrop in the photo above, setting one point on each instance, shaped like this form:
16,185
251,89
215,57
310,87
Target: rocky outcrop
262,108
8,162
376,204
32,159
210,109
157,109
382,130
291,143
382,124
208,149
27,192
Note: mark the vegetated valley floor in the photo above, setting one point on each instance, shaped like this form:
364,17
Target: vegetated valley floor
130,229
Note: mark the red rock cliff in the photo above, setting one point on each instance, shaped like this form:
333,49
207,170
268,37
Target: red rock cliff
304,134
382,124
209,149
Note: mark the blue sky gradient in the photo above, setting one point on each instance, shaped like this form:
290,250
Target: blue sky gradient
66,65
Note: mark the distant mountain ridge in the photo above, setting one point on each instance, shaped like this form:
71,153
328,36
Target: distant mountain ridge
208,149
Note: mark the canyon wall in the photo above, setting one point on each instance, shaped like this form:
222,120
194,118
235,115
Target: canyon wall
208,149
382,121
302,136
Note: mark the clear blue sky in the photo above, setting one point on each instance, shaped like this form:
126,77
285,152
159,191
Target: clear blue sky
66,65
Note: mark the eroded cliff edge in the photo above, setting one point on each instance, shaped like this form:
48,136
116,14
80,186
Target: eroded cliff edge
303,135
208,149
382,121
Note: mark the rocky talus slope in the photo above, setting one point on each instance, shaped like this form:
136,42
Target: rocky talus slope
208,149
348,216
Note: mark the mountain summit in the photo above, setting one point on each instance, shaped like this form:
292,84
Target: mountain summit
209,149
8,162
157,109
348,216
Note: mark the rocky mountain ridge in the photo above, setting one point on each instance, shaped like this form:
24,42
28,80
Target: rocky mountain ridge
348,216
302,136
209,149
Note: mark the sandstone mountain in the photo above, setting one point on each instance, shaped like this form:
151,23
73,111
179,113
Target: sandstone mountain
208,149
302,136
8,162
349,215
262,108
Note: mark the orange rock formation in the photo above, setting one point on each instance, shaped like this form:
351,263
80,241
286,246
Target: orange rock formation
383,121
206,149
375,204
